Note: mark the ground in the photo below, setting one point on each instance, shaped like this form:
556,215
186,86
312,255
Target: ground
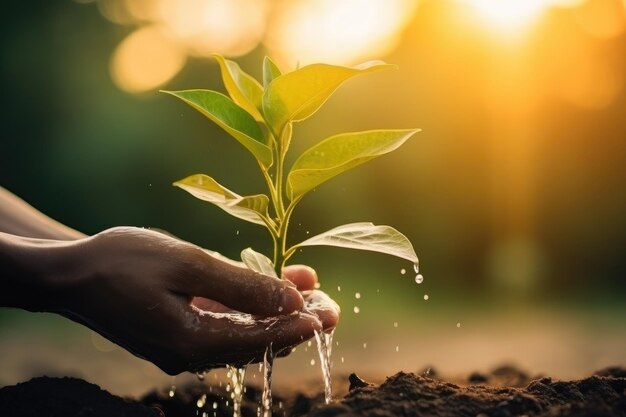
504,392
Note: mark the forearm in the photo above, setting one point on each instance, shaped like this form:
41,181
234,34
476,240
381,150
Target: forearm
32,271
21,219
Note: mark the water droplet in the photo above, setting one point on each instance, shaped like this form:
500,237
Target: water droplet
426,297
280,404
397,348
309,343
312,362
339,288
356,310
307,232
317,285
364,345
419,278
357,295
201,375
416,268
215,405
458,325
201,401
280,309
172,391
403,271
395,324
237,232
342,360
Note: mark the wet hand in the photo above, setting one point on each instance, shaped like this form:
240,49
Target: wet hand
175,305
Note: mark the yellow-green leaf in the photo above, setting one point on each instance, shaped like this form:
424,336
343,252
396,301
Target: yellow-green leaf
250,208
296,95
242,87
258,262
365,236
230,117
340,153
270,71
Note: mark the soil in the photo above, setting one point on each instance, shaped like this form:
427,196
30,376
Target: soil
504,392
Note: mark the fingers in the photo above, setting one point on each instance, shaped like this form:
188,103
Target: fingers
323,307
302,276
240,339
240,288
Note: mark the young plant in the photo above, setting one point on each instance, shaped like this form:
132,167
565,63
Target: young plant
261,117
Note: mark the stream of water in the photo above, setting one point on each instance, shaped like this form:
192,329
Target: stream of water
265,410
324,348
236,376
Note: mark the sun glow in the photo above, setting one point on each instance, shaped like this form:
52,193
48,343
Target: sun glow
514,15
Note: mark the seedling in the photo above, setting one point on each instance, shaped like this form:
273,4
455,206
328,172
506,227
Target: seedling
261,118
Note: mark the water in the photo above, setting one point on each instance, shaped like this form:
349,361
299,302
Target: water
172,391
403,271
426,297
419,278
357,295
236,376
324,348
356,310
266,397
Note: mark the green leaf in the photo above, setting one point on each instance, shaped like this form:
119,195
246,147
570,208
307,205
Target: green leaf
270,71
243,88
258,262
296,95
230,117
340,153
365,236
251,208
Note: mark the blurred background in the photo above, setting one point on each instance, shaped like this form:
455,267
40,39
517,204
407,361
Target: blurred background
513,194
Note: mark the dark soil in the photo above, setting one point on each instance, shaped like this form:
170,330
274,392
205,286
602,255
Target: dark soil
504,392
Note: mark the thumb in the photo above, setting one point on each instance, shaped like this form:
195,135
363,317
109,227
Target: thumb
242,289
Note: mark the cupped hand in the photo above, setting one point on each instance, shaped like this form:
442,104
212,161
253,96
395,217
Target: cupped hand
172,303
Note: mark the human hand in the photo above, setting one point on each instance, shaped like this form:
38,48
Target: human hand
172,303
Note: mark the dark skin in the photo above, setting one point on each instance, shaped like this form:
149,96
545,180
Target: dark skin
161,298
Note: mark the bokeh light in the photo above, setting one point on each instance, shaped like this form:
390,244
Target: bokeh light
336,31
146,59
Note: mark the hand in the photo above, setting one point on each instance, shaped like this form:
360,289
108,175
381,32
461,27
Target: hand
175,305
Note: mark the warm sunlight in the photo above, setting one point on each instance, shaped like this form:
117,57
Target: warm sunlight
341,32
515,15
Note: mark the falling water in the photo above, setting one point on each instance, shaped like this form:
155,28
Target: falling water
236,376
266,398
324,348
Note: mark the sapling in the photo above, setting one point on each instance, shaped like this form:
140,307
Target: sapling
261,117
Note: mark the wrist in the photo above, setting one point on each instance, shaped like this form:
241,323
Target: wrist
35,272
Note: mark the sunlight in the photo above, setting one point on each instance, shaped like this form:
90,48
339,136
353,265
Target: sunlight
515,15
337,31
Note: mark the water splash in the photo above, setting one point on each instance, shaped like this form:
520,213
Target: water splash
236,376
266,396
324,348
